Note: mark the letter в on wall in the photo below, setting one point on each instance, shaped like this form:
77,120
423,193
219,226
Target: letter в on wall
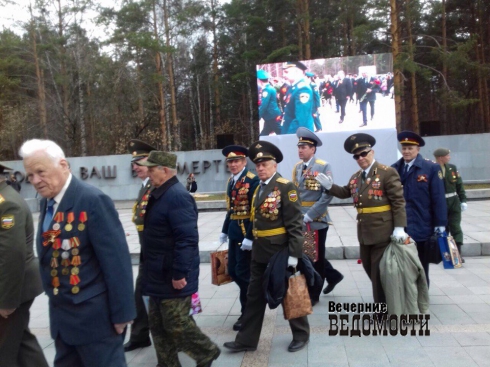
83,173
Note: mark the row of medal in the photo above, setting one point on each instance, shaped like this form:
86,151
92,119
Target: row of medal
375,194
70,217
240,198
270,207
144,202
64,248
310,182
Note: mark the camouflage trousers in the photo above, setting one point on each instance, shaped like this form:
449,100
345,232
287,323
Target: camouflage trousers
174,330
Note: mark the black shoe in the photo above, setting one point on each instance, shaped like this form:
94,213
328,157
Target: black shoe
209,363
129,346
237,347
297,345
331,286
238,325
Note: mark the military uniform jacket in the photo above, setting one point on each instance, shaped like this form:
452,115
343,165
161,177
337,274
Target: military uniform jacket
98,264
423,189
139,207
277,220
298,110
382,188
268,109
19,271
239,196
314,200
453,182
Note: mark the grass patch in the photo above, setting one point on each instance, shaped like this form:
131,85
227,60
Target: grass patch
211,197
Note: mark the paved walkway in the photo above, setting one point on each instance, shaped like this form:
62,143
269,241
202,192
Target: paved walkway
459,324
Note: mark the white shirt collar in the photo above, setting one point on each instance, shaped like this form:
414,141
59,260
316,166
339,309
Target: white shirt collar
369,168
308,163
145,181
269,179
60,195
410,164
237,176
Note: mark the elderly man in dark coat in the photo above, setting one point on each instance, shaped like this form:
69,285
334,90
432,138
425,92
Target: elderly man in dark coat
171,265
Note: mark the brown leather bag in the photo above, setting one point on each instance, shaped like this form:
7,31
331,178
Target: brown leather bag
310,244
297,301
219,268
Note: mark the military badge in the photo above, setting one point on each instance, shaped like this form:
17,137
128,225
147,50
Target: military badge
293,196
423,178
8,221
2,199
264,94
439,174
304,97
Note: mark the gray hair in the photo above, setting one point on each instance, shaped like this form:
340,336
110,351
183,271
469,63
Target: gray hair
48,147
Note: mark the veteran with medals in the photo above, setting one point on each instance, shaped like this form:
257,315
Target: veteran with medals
423,189
84,260
314,203
237,226
140,330
377,194
277,224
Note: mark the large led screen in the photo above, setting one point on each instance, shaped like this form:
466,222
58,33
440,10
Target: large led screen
328,95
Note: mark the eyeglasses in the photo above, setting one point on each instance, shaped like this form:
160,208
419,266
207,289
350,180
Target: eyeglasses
363,155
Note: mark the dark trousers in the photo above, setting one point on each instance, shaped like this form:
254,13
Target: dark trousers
253,317
270,126
18,346
342,103
239,269
323,266
103,353
371,256
422,249
174,330
363,107
140,330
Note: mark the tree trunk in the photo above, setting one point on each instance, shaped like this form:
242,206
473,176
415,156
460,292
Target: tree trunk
395,47
413,83
174,142
444,127
161,93
217,101
40,83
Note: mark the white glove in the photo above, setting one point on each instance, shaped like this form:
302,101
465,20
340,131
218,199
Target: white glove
307,219
464,206
223,237
292,261
246,244
325,181
399,234
439,229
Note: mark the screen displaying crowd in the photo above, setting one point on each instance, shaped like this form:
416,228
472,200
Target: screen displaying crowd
328,95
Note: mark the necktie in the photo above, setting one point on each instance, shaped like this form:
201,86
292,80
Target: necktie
305,167
363,176
262,186
48,217
407,168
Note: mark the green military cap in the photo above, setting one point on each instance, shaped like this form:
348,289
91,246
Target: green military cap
358,142
158,158
264,151
441,152
262,74
4,168
139,149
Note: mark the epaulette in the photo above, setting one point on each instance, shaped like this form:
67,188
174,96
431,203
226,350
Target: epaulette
383,167
282,180
301,85
250,174
320,161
